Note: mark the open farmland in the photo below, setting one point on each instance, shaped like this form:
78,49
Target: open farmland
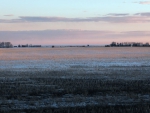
75,90
92,80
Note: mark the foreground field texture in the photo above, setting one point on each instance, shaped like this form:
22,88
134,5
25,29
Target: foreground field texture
75,80
126,89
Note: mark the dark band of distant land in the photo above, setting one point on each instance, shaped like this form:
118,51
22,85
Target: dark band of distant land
128,44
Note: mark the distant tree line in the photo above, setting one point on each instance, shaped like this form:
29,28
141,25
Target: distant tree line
128,44
6,45
29,45
9,45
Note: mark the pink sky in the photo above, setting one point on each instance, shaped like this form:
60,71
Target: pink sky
95,23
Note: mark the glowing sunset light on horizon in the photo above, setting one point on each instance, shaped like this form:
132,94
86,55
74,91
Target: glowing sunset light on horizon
77,23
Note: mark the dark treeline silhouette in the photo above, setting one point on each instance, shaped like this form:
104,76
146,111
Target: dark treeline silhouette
77,46
128,44
6,45
29,45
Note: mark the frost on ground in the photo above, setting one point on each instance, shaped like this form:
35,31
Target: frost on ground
65,64
73,77
75,101
74,88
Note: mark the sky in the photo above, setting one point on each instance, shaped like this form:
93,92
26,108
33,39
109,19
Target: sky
74,22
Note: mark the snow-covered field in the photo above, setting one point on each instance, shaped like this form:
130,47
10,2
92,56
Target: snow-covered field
73,77
66,58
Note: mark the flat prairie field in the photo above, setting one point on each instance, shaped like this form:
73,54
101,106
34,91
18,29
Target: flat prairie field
75,80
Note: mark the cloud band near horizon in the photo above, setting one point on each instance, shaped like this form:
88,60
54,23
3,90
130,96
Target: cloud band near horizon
66,37
111,18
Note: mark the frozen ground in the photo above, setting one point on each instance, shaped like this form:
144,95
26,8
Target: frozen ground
37,78
65,64
68,58
28,90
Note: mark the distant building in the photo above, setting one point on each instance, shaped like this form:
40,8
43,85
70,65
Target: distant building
25,45
36,46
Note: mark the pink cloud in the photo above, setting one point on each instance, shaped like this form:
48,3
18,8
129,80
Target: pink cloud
58,37
139,17
145,2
